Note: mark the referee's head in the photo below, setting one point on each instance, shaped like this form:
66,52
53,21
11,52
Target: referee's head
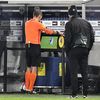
37,13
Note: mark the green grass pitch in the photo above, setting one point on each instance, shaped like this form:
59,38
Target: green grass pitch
44,97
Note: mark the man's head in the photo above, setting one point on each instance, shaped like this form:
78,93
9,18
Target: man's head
37,13
72,11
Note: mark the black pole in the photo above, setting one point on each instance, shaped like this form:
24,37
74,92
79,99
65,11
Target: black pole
63,72
5,68
25,17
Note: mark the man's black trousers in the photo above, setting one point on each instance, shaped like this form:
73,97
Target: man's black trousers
78,58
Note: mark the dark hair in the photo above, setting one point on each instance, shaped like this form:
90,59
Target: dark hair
73,10
37,12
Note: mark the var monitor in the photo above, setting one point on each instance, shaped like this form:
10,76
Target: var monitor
52,42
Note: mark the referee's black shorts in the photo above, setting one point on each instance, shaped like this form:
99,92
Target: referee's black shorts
33,55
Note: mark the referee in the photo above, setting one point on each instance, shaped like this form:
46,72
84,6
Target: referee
33,29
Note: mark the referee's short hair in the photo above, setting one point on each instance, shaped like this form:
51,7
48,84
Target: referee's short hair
37,12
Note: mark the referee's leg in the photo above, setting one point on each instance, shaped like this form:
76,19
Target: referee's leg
33,77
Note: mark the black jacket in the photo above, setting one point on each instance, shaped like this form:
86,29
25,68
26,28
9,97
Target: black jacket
78,32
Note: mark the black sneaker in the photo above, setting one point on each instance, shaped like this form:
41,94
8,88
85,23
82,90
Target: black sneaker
74,96
23,91
84,96
32,92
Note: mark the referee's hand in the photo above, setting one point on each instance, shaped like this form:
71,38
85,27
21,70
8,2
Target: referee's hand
60,33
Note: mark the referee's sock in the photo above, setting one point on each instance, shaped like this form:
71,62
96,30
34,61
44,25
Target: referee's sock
32,81
27,79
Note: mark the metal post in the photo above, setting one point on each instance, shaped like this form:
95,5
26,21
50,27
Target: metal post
5,69
63,72
83,11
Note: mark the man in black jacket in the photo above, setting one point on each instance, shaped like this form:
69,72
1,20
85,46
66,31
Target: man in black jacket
79,38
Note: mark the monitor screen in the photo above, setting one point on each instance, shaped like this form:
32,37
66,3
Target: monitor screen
49,42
